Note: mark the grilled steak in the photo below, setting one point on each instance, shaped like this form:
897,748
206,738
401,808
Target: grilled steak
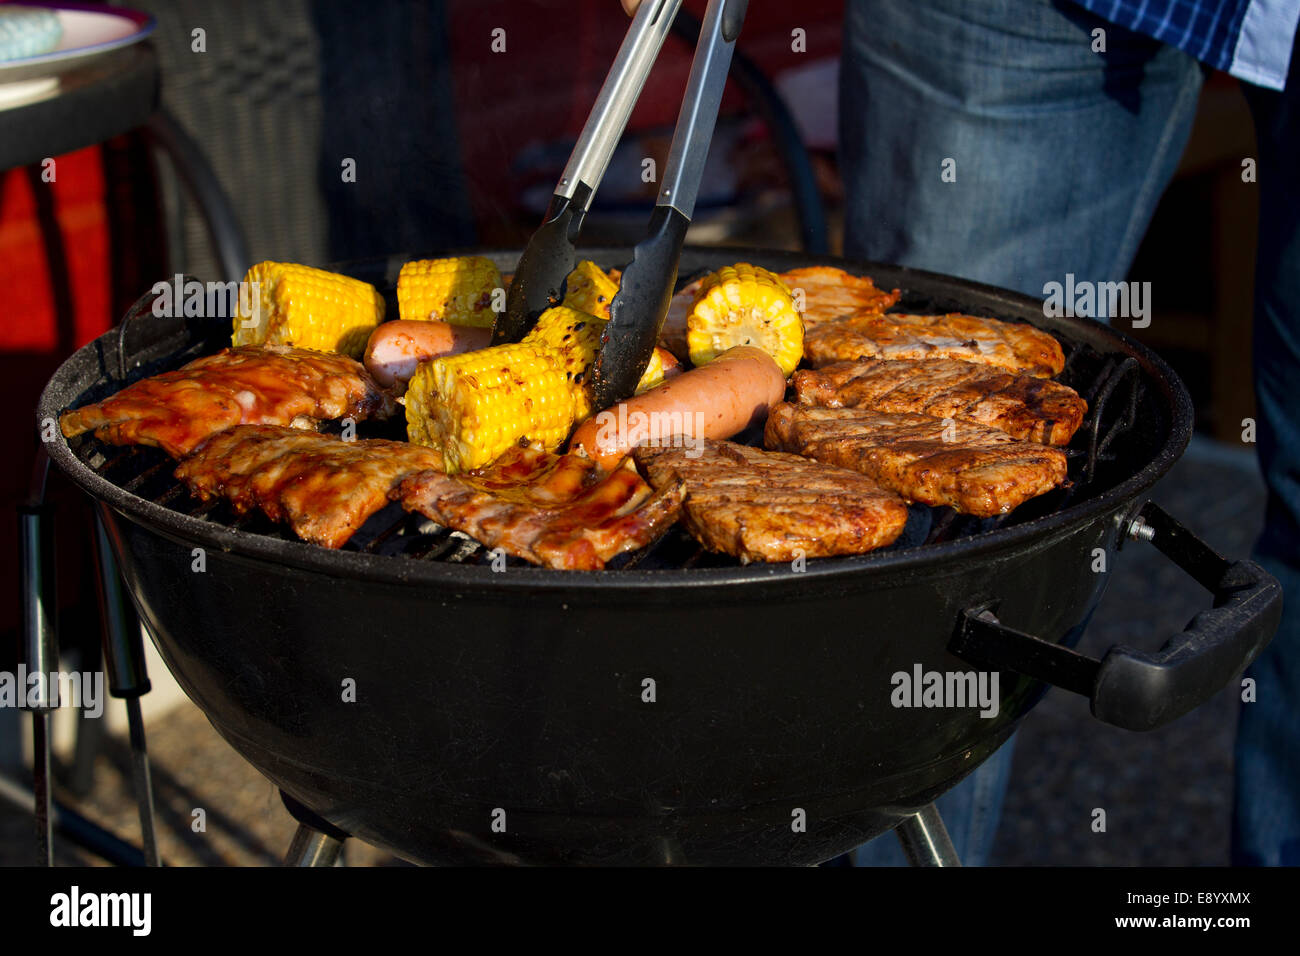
561,511
249,385
1015,347
974,469
1035,409
766,506
325,488
831,293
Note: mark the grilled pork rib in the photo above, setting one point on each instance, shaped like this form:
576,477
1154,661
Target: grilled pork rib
767,506
560,511
1012,346
971,468
325,488
248,385
1025,407
831,293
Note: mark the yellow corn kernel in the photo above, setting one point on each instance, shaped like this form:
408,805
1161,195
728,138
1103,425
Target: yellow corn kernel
307,308
654,372
474,406
457,290
744,305
575,337
589,289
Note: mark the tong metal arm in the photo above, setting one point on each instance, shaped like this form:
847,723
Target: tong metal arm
638,310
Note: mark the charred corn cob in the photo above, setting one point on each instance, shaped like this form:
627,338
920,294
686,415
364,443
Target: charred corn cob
476,405
457,290
589,289
575,337
308,308
744,305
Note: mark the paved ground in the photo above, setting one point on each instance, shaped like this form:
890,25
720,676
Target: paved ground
1166,795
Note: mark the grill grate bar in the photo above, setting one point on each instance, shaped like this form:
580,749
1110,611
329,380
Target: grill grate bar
141,477
384,536
1100,397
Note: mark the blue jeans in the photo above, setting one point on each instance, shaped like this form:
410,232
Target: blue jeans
1266,815
1054,155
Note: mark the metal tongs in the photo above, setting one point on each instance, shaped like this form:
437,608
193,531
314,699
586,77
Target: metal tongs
638,310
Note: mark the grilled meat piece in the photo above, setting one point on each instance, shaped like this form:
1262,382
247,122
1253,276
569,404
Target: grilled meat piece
673,334
937,461
325,488
560,511
767,506
247,385
1012,346
831,293
1035,409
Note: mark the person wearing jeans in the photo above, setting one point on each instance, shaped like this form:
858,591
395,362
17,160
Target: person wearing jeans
1014,142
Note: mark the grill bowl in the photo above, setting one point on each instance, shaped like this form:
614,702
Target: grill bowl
525,691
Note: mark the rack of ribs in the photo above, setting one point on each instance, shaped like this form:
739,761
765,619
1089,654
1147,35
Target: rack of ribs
325,488
560,511
247,385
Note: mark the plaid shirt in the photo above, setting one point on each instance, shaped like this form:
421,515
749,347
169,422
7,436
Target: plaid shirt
1251,39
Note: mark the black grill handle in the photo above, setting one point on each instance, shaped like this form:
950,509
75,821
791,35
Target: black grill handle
1142,690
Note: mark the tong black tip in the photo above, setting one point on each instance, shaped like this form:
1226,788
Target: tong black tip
637,313
543,268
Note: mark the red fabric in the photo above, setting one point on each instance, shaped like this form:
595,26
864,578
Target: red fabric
29,351
78,189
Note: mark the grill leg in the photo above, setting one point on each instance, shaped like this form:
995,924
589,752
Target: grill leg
312,848
127,676
316,842
925,839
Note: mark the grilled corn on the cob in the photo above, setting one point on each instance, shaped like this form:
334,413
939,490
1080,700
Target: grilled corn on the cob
457,290
307,308
590,289
744,305
575,336
476,405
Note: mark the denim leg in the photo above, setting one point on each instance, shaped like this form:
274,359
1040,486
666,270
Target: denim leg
1058,157
1059,154
1266,815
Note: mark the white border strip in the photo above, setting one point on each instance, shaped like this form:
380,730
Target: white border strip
1263,52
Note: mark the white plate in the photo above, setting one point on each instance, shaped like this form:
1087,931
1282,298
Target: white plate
88,32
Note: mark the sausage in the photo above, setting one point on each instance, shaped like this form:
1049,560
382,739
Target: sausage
718,400
396,348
